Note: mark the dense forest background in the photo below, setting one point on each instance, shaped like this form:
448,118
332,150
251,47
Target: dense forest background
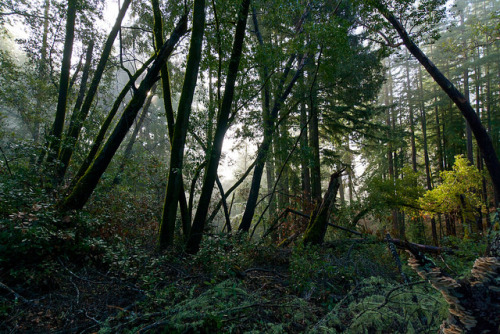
249,166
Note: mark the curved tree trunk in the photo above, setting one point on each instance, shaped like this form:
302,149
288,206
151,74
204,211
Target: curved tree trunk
482,137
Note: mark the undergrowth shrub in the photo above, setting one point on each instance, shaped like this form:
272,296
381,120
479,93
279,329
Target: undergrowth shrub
377,305
224,254
329,273
226,307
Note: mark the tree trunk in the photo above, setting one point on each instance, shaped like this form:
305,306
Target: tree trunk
251,204
169,110
65,153
318,222
57,127
304,156
426,153
133,137
314,144
174,186
107,122
482,138
214,155
74,130
87,183
412,118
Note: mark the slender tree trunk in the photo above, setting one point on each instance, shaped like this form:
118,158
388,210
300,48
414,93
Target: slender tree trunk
76,126
107,122
412,118
133,137
426,152
169,110
57,127
266,110
304,156
65,153
172,195
200,217
87,183
314,144
249,212
482,138
269,120
42,72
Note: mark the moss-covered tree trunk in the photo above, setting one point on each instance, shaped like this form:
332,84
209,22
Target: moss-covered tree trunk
169,110
57,127
174,186
77,123
318,222
222,125
107,122
87,183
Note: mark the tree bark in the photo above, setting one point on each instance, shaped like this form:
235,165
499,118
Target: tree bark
76,126
172,195
169,110
246,221
482,138
65,153
57,127
133,137
318,222
107,122
200,217
87,183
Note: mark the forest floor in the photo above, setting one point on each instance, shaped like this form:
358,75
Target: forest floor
86,299
82,274
230,287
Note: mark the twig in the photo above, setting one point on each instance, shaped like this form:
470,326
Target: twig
18,296
6,161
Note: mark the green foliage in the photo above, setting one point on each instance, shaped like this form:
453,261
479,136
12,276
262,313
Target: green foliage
378,305
395,193
327,274
464,180
223,255
215,311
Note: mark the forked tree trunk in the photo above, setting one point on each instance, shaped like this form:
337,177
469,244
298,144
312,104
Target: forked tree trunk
77,124
214,156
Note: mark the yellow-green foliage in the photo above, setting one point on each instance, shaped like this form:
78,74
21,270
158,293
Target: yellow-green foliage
464,180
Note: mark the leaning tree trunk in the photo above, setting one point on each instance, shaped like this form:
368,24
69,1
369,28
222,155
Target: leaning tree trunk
483,139
87,183
169,110
316,229
76,126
